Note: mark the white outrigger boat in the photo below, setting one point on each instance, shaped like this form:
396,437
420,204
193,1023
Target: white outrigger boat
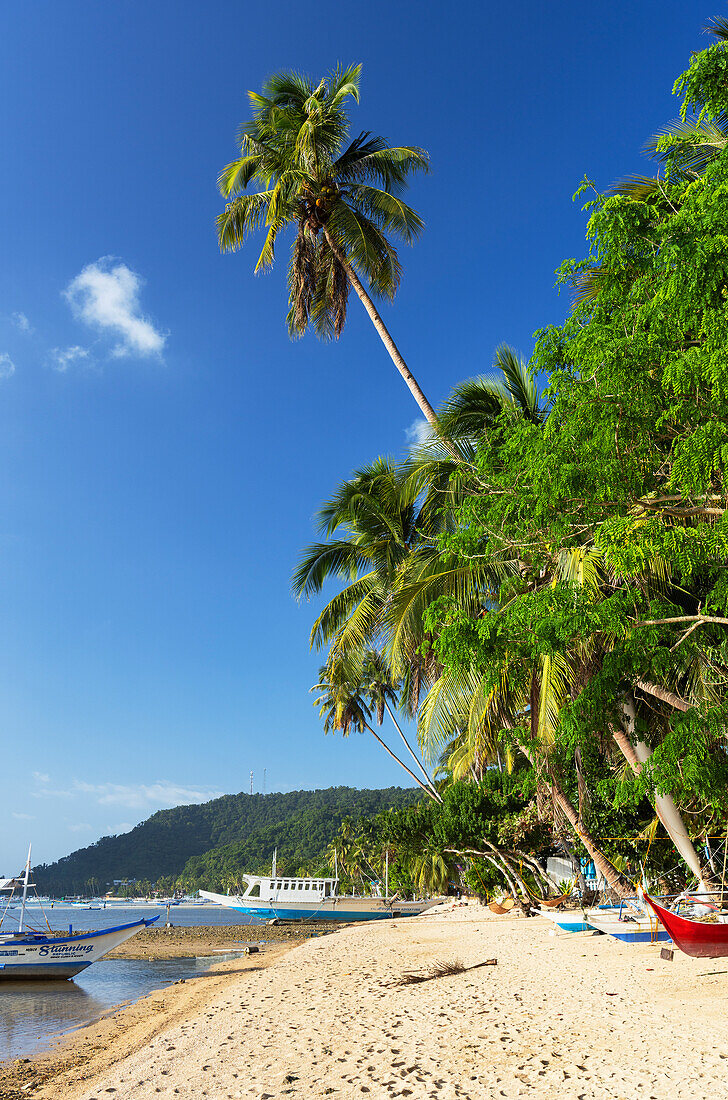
295,898
28,954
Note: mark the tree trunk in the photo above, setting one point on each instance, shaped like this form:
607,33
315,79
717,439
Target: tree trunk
386,748
617,881
638,754
384,334
664,695
413,754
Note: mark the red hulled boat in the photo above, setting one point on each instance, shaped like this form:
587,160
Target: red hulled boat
694,937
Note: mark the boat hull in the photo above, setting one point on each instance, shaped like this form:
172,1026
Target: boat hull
632,930
329,909
567,922
33,956
693,937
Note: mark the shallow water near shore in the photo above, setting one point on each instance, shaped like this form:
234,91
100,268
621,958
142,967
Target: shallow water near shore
33,1014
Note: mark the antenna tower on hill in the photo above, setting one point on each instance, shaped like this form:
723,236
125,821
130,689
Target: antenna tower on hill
264,773
251,782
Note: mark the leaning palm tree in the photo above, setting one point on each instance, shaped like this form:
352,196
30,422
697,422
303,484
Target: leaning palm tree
342,707
342,197
383,692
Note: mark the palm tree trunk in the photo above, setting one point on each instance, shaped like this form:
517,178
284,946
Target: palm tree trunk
386,338
638,754
413,754
386,748
617,881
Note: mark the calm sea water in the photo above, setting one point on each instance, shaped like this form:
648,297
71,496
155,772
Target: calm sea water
33,1014
183,916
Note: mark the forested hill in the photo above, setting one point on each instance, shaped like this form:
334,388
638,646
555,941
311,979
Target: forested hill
227,835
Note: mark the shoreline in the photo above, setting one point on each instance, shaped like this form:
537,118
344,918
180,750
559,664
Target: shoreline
82,1054
568,1015
185,941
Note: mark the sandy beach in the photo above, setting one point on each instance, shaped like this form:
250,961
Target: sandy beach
573,1016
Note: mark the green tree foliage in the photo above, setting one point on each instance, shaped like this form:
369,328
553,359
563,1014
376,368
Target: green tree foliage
612,512
573,603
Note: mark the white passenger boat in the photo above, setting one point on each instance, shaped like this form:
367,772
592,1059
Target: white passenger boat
26,954
295,898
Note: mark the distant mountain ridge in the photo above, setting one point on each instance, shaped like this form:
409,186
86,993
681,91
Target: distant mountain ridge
199,844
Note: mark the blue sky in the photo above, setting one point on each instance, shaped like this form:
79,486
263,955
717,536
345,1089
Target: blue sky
163,444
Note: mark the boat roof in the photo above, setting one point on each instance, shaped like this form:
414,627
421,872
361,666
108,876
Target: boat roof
288,878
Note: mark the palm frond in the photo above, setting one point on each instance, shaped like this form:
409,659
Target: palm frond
520,383
340,558
637,188
473,406
343,83
688,146
367,249
717,26
241,217
352,615
386,210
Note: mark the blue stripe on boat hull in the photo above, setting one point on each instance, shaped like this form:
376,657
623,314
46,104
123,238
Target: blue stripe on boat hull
313,914
639,937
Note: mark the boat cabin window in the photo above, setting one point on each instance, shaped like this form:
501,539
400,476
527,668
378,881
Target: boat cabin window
255,891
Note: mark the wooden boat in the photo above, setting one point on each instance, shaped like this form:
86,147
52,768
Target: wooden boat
629,927
577,920
698,938
28,954
25,954
573,921
298,898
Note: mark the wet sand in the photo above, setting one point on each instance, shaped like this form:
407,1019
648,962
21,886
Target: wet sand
574,1016
182,942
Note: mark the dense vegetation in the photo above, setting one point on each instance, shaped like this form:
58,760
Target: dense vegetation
208,845
543,587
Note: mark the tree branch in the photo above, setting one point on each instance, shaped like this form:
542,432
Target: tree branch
662,693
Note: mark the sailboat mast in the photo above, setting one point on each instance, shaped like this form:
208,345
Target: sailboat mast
386,874
25,891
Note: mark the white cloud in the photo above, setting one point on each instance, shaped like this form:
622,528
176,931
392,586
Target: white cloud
81,827
106,295
23,817
20,321
7,366
62,357
144,795
419,432
137,796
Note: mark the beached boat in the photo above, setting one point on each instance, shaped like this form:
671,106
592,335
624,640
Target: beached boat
577,920
629,926
573,921
295,898
26,953
701,939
